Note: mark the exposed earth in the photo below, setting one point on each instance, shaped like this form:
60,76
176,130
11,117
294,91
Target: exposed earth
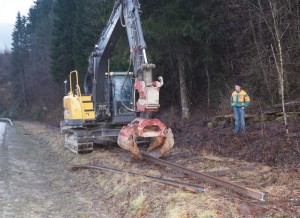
35,180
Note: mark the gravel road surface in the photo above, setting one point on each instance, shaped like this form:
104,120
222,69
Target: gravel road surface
35,183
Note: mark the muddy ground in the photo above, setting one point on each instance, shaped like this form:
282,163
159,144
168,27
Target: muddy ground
35,180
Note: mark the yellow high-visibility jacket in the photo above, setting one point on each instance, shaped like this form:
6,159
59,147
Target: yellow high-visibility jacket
240,99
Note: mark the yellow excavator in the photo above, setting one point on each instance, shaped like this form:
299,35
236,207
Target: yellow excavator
116,106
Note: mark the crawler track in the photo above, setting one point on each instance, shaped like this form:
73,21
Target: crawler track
256,194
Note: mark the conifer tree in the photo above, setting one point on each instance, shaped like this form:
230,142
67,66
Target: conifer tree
90,19
62,39
19,55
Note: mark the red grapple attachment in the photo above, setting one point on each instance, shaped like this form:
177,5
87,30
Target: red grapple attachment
147,128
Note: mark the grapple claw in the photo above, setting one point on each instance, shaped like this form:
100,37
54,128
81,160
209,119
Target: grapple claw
127,140
156,143
168,143
148,128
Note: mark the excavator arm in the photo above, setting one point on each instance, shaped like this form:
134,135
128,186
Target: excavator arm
126,14
148,90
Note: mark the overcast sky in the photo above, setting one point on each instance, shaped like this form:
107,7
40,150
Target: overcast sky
8,14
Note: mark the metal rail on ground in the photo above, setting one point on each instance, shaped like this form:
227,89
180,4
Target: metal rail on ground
256,194
185,186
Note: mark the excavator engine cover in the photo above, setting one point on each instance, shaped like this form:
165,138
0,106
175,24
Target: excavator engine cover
148,128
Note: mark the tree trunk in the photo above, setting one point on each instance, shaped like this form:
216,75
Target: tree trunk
280,65
23,87
185,107
208,86
259,54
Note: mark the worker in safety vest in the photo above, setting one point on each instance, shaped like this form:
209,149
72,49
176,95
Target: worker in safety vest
239,101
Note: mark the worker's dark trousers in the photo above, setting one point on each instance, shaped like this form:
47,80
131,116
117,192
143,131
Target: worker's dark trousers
239,117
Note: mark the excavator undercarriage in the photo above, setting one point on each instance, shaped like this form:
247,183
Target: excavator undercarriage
81,140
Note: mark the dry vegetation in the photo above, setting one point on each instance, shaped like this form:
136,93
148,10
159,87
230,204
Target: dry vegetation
254,160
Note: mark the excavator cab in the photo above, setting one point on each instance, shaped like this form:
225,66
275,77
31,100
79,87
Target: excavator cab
119,94
122,96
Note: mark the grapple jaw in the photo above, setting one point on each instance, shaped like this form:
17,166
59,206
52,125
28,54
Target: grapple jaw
146,128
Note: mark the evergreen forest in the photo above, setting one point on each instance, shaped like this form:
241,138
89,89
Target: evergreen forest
201,48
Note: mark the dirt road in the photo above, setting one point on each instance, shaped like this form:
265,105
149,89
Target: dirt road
34,183
2,132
